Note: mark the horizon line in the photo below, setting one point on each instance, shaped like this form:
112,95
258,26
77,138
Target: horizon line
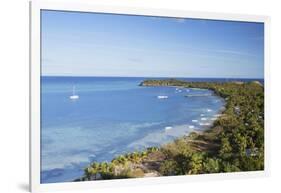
89,76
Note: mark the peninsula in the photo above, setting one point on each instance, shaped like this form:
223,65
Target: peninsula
235,141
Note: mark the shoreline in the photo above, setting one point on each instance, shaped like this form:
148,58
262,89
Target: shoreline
220,113
210,146
172,134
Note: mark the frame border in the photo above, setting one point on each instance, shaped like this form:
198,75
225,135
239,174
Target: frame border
34,99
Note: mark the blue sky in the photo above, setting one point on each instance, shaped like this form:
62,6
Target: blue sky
87,44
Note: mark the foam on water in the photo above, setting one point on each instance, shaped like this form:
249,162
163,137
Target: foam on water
112,116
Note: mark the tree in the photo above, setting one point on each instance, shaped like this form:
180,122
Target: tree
225,149
211,165
240,144
228,167
168,168
196,163
92,171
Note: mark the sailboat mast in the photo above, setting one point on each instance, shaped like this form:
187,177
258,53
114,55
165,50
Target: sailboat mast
74,96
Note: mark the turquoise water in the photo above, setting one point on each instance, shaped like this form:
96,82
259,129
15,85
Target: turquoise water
112,116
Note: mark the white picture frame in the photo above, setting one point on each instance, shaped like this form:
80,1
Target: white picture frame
35,71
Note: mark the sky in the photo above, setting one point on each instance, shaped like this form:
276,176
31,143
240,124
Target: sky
92,44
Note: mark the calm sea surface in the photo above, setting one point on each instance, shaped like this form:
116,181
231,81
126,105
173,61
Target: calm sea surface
113,116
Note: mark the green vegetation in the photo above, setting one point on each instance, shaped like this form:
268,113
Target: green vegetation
234,143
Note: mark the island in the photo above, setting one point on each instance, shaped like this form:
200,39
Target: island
233,143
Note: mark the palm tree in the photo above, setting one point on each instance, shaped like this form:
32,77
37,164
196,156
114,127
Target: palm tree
103,167
92,170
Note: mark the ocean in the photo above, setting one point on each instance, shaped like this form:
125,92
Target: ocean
114,116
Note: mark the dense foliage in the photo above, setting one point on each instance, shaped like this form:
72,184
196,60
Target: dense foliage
235,142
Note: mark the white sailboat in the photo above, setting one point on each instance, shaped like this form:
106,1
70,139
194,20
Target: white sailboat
74,96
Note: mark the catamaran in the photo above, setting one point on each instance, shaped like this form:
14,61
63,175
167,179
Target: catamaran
162,97
74,96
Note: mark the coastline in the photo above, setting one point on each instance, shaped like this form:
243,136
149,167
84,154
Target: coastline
209,146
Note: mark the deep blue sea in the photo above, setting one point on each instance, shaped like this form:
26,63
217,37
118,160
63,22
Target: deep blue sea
113,116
